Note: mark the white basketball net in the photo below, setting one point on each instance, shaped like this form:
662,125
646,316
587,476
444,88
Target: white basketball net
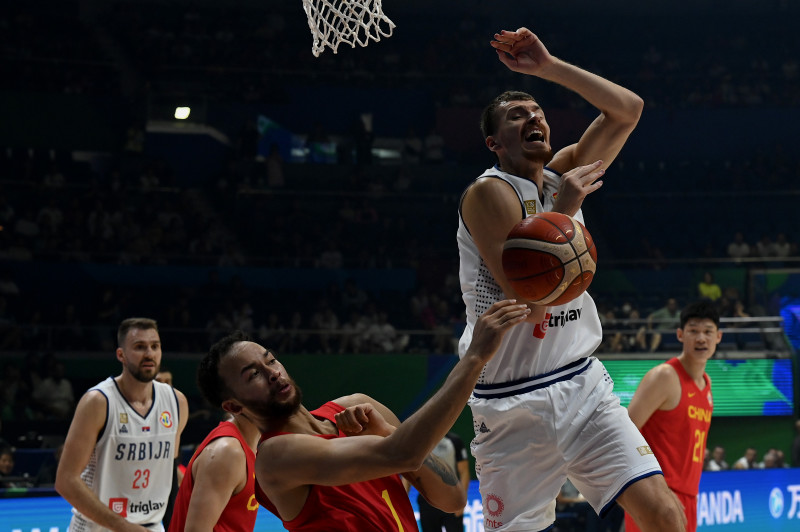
352,21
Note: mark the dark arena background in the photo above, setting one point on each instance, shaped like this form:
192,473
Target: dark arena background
193,162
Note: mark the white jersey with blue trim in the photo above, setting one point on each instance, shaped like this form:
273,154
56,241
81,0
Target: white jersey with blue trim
570,332
130,469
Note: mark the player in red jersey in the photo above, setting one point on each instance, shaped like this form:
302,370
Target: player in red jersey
314,477
672,407
218,490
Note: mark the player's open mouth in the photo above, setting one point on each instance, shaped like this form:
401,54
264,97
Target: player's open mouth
534,136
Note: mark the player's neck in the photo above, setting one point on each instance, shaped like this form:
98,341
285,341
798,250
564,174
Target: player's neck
695,369
531,170
248,429
138,394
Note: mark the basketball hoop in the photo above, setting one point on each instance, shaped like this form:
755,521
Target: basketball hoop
352,21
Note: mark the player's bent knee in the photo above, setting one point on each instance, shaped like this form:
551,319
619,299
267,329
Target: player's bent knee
653,505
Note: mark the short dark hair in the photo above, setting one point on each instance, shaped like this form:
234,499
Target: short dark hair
488,119
134,323
208,379
700,310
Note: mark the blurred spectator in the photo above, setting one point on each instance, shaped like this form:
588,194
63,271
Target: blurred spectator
770,460
708,289
164,375
46,476
765,247
782,247
6,467
272,333
748,461
53,178
667,318
54,394
382,337
612,333
353,333
327,323
738,249
717,460
21,407
218,326
296,334
331,257
737,311
10,383
353,297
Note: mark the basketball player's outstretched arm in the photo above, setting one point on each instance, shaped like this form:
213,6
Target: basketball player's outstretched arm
435,480
292,462
620,109
89,419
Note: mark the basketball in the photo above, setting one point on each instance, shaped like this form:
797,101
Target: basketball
549,258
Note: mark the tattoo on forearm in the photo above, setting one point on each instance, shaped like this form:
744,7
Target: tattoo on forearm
447,475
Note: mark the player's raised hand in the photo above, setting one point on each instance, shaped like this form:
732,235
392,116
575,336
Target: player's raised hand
362,420
493,324
576,185
522,51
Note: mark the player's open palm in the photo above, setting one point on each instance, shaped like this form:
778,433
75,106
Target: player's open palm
493,324
576,185
522,51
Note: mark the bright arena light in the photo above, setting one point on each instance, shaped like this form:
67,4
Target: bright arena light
182,113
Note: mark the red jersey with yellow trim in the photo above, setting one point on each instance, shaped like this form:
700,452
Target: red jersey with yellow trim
240,513
379,505
678,436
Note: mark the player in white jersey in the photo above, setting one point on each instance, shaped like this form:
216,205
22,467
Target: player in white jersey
119,455
544,408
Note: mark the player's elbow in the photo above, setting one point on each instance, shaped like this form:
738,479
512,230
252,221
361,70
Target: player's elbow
456,503
450,500
633,110
61,485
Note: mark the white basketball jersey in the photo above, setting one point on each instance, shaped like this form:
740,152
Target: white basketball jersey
568,333
131,466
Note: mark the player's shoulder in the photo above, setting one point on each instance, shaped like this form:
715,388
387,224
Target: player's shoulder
94,398
489,190
224,448
663,373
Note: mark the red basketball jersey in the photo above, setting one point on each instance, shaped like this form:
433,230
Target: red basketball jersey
678,436
379,505
240,513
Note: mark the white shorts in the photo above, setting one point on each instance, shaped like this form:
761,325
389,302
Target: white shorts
533,433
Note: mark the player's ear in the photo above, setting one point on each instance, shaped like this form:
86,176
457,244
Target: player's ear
492,144
120,354
679,334
232,406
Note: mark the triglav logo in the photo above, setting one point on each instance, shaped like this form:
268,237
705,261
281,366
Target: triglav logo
119,505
